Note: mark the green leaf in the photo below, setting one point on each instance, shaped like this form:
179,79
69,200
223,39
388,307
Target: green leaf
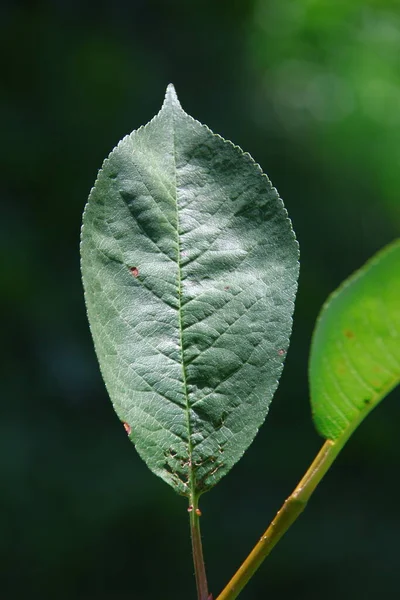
355,353
189,265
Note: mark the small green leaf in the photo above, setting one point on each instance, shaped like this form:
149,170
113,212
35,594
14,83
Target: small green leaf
355,353
189,265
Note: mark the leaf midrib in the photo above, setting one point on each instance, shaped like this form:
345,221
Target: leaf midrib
191,477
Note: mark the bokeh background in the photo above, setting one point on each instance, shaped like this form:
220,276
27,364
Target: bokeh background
311,89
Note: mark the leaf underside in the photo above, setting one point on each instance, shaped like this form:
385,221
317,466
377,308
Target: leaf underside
355,353
189,265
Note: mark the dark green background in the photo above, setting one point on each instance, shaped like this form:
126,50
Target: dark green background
311,89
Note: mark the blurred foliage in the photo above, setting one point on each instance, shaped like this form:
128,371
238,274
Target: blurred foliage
311,89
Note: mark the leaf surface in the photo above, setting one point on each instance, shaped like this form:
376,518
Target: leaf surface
189,265
355,353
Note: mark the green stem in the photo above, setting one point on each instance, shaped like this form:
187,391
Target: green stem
286,516
197,549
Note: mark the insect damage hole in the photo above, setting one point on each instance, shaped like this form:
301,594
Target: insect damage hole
134,271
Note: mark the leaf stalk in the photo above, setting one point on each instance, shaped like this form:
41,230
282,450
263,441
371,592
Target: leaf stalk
197,549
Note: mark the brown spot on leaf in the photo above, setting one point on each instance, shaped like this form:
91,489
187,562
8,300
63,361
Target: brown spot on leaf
127,428
367,401
134,271
281,352
226,288
349,334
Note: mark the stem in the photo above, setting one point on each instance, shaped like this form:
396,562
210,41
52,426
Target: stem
197,549
286,516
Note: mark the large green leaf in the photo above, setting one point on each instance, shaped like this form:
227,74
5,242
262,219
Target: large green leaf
189,266
355,353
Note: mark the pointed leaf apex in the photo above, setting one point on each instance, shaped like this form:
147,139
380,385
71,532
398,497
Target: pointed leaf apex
171,98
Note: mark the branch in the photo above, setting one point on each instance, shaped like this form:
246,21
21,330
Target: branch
286,516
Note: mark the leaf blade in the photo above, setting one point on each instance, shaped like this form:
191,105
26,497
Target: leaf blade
187,256
355,351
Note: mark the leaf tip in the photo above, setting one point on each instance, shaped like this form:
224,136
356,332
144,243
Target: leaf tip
171,98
